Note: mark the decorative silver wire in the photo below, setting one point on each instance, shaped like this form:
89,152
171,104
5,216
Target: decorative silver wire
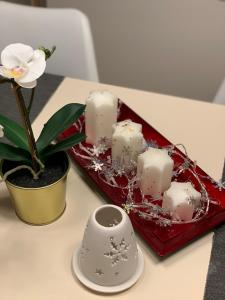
110,171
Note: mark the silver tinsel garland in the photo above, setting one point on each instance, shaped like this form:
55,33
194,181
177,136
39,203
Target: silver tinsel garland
149,208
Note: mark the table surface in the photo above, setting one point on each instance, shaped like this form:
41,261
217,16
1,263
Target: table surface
35,261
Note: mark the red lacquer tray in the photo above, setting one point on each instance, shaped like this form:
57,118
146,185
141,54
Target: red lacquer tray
163,240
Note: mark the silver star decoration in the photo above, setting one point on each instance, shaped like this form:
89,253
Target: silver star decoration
100,149
95,151
117,168
170,149
152,144
103,148
96,165
156,209
164,222
186,164
109,171
127,207
219,185
104,141
175,173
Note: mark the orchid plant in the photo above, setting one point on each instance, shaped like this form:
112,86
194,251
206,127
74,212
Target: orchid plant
21,66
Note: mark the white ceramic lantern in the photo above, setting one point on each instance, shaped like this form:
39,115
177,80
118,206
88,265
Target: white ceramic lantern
109,259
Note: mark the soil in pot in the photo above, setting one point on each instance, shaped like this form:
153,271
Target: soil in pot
55,168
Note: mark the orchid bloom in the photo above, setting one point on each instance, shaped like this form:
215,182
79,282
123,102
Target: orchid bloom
23,64
1,131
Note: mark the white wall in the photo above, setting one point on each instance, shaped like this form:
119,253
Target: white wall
169,46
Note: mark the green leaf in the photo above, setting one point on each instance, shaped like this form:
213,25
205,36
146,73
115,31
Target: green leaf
14,132
59,122
63,145
12,153
48,53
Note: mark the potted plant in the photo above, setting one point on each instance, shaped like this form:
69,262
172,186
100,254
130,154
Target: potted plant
34,170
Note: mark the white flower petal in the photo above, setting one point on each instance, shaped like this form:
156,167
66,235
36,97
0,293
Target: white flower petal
8,60
1,131
36,67
16,54
17,72
27,85
3,72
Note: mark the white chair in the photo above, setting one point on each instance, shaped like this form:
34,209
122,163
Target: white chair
67,29
220,95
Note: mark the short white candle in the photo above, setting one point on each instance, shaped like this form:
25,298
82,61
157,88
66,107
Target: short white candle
154,171
127,142
180,200
100,115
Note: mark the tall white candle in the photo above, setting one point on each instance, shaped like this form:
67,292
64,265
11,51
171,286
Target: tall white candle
127,142
180,200
100,115
154,171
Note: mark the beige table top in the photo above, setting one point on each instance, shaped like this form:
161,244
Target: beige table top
35,262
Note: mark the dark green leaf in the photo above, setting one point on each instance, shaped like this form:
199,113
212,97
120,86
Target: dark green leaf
59,122
14,132
63,145
12,153
48,53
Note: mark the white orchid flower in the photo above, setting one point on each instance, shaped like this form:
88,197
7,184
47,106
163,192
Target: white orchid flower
1,131
23,64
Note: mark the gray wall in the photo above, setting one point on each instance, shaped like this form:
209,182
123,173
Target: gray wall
169,46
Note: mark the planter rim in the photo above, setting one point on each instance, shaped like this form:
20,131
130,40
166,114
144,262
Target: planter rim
41,187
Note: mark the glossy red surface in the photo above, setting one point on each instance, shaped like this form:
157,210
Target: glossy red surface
163,240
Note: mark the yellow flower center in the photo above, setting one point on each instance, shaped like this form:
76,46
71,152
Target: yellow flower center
16,72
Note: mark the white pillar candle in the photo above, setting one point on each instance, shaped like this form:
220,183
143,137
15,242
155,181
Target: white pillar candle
154,171
127,142
180,200
100,115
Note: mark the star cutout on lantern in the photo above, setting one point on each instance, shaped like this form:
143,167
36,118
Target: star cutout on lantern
99,272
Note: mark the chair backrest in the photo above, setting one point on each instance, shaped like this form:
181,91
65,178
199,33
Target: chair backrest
220,95
67,29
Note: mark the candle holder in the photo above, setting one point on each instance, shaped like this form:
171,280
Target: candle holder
108,260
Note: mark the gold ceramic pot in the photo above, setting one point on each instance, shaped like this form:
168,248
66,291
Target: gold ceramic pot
40,206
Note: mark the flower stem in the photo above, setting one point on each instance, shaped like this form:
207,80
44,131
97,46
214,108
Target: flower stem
31,101
27,125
